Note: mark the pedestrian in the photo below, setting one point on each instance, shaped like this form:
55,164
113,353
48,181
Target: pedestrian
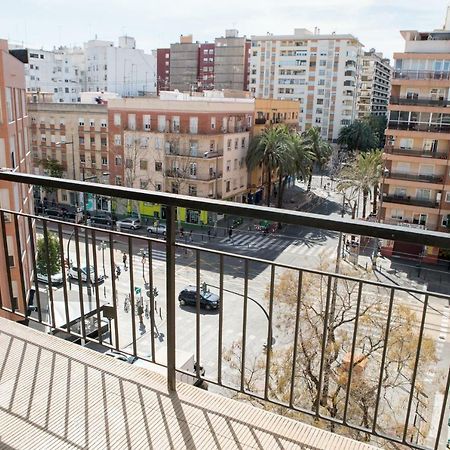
124,259
117,272
181,231
230,233
209,233
190,236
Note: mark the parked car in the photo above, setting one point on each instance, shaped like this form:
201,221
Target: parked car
160,229
208,300
53,213
74,273
121,356
57,278
130,223
101,221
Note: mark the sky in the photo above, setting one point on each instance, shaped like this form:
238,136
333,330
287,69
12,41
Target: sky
155,23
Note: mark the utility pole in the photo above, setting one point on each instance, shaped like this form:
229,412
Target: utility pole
86,242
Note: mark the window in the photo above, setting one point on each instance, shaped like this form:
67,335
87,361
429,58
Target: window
236,143
81,140
213,123
92,123
158,166
319,101
229,143
9,105
118,180
104,160
174,188
92,140
117,139
227,186
81,122
82,158
161,124
103,142
235,164
158,187
143,164
193,125
131,121
447,197
117,119
118,160
212,145
143,184
43,138
193,169
104,123
146,122
193,190
243,142
228,165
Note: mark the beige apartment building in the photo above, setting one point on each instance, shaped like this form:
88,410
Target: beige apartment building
320,71
74,135
416,182
15,155
193,145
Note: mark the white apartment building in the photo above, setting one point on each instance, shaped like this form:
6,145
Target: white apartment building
126,70
98,67
375,84
321,71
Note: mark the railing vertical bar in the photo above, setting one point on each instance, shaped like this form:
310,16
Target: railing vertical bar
296,332
383,359
97,297
49,278
324,344
220,340
352,354
22,279
244,325
444,411
114,293
170,297
269,332
132,299
80,285
6,253
63,272
152,298
33,258
416,365
197,314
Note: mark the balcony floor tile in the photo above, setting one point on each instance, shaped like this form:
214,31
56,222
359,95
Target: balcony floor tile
57,395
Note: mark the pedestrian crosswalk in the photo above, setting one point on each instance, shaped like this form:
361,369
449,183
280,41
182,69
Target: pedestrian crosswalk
270,242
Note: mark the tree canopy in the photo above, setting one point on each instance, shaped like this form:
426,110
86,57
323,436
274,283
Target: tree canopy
50,251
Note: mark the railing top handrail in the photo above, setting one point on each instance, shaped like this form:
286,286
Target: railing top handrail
358,227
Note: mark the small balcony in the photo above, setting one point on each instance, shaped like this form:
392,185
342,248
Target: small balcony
181,174
436,179
408,200
188,153
416,152
441,103
151,356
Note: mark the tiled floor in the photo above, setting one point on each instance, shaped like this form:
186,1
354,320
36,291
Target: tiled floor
57,395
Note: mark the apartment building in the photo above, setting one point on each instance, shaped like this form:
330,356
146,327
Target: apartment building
375,85
74,135
14,154
416,184
268,113
190,66
188,144
99,66
231,61
320,71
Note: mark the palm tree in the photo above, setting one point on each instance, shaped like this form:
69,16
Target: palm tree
358,136
319,150
361,176
271,149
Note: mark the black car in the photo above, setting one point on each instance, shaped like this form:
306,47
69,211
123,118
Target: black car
208,300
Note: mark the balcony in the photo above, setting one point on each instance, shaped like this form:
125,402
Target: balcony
410,201
416,152
345,374
419,102
181,174
421,127
420,75
185,152
421,178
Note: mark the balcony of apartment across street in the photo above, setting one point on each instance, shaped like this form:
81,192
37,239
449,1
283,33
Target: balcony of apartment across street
148,340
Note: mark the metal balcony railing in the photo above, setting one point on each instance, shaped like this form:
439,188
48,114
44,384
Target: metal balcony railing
194,154
418,177
181,174
419,102
338,342
417,126
416,152
411,201
420,75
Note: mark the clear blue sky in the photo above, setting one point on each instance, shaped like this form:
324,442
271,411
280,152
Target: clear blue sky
155,23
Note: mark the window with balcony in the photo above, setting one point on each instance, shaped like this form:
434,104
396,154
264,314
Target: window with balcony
193,169
118,160
146,121
104,160
117,139
117,119
131,121
158,166
103,142
81,122
193,190
423,194
161,124
193,125
104,123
